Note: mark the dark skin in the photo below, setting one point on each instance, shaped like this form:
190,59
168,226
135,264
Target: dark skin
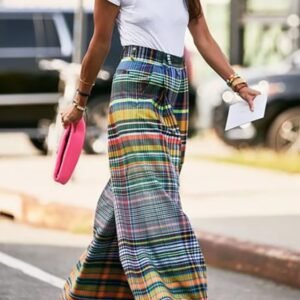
105,14
213,55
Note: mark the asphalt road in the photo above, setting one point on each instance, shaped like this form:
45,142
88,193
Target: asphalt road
55,252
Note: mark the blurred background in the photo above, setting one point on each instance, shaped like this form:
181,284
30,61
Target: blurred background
240,188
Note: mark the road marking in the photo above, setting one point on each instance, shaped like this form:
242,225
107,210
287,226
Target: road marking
31,270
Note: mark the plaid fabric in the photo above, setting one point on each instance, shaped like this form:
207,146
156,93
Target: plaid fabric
143,247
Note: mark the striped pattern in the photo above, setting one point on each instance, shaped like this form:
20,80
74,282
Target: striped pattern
144,247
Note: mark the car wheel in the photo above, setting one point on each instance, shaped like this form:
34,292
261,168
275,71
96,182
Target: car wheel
284,133
97,122
39,141
40,144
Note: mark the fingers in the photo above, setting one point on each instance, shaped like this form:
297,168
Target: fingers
251,103
255,92
249,95
65,120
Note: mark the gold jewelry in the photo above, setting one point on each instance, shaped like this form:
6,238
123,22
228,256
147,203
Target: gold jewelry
86,83
232,78
242,85
79,107
237,81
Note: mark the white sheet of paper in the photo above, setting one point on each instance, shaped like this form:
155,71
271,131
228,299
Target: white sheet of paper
239,113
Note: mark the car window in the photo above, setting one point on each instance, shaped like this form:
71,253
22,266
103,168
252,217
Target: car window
114,56
51,33
47,34
17,33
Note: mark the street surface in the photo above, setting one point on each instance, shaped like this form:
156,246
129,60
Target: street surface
246,203
251,204
55,252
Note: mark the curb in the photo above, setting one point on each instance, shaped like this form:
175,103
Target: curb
28,209
274,263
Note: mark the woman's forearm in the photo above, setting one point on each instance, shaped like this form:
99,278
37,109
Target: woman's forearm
105,14
209,48
213,55
91,65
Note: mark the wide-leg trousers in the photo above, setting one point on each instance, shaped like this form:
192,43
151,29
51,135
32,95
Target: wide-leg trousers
143,247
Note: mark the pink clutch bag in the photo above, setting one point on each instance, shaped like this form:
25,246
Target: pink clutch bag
68,152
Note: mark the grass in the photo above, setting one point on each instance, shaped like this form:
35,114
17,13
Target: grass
266,159
81,228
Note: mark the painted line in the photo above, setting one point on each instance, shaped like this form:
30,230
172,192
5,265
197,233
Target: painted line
31,270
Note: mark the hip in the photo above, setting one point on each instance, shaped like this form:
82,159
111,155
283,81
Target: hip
143,71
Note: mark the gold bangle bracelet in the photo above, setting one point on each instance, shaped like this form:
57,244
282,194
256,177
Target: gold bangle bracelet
240,86
79,107
232,78
237,81
86,83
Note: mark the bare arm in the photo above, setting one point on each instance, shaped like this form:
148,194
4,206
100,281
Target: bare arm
105,14
213,55
209,48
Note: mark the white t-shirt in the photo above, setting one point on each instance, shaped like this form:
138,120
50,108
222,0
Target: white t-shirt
157,24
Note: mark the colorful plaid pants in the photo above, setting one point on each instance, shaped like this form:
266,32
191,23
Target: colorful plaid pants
143,246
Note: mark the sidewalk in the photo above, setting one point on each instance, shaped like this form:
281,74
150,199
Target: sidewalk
243,202
246,219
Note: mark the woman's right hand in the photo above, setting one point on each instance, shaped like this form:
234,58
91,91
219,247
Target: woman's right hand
70,115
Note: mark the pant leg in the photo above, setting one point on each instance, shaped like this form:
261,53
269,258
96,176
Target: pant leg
99,273
158,249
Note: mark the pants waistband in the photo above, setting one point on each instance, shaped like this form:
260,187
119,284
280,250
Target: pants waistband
153,54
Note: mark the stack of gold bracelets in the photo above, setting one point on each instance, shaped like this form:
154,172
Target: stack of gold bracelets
82,94
236,82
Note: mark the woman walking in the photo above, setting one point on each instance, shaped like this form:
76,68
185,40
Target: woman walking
144,247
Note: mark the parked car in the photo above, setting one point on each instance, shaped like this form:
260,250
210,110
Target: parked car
280,128
28,94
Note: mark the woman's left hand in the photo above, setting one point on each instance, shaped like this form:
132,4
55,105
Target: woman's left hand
248,95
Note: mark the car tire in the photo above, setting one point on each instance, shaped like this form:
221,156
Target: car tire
39,144
97,122
284,133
